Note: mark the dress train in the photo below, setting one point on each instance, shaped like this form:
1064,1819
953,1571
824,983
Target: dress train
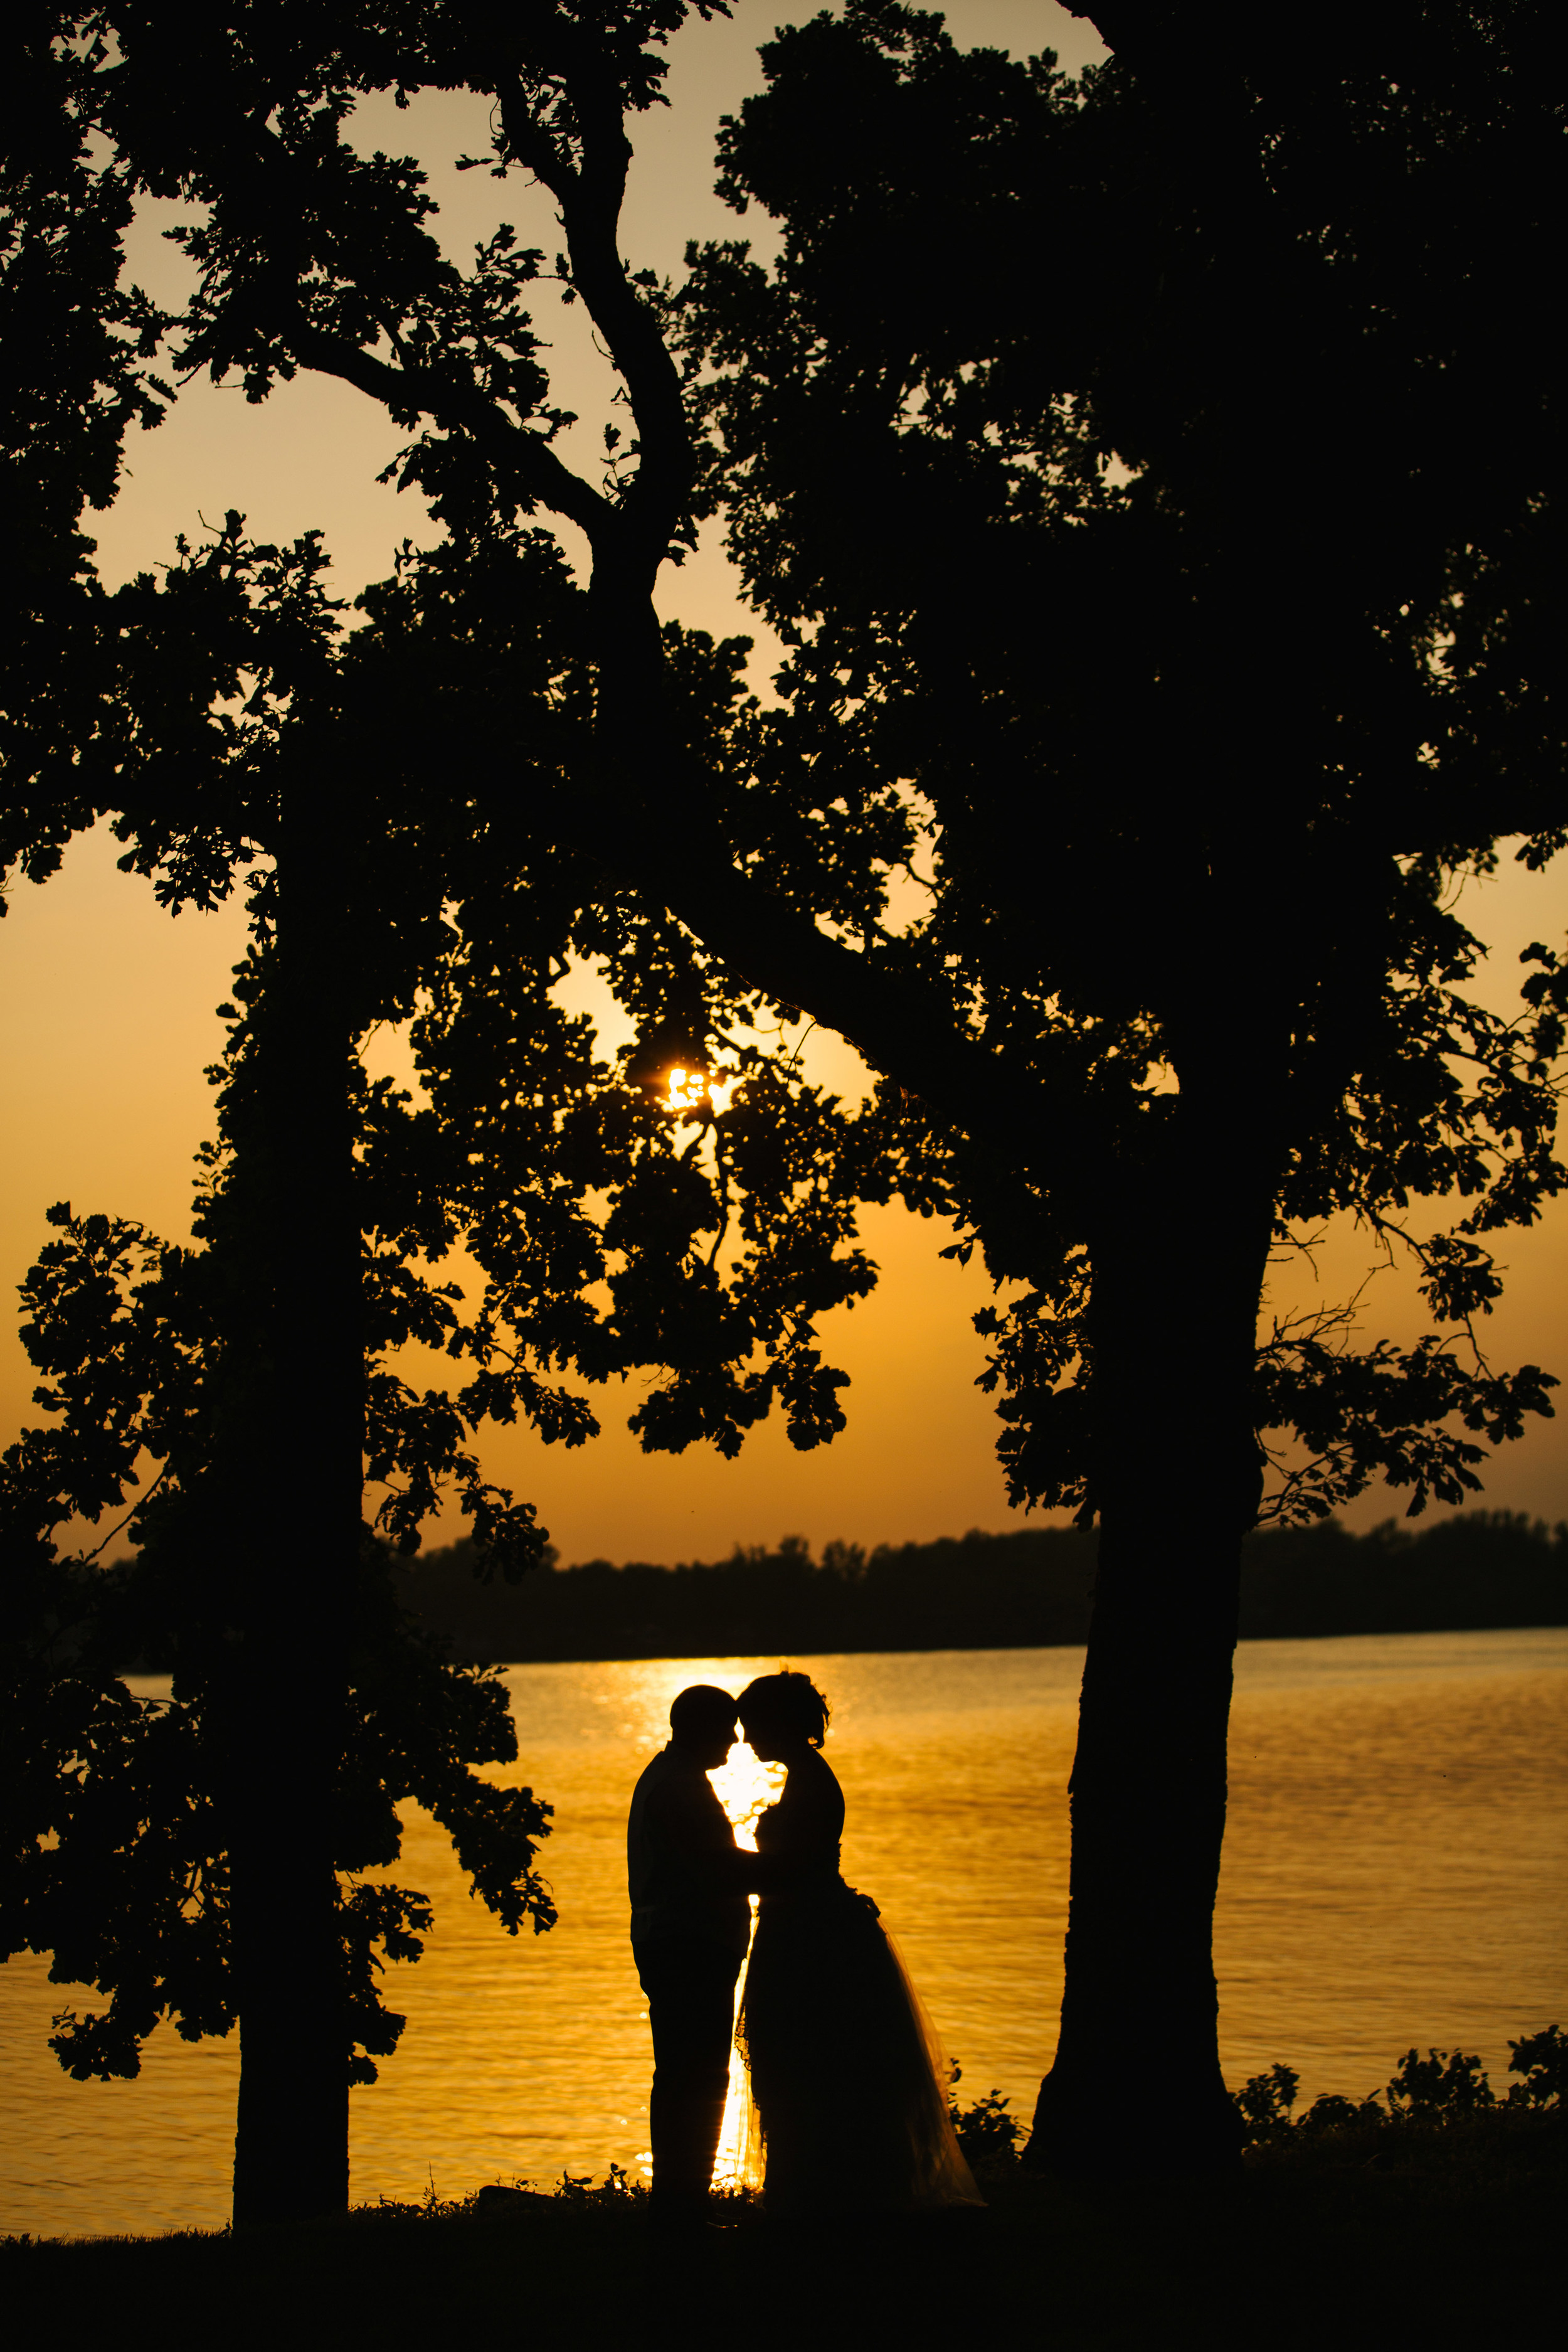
839,2084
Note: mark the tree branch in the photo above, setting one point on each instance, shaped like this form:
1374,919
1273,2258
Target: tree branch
900,1027
589,196
527,457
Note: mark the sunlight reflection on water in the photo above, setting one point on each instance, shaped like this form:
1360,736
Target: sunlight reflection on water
1394,1874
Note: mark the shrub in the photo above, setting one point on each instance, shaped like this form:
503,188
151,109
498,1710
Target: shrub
1438,2087
1266,2102
1445,2088
1333,2113
986,2132
1543,2059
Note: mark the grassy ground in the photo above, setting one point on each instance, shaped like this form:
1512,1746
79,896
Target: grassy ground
1445,2237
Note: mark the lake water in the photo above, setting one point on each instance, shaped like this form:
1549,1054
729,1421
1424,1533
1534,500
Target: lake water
1395,1874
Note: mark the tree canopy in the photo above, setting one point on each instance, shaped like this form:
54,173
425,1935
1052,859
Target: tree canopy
591,1210
1019,540
1154,478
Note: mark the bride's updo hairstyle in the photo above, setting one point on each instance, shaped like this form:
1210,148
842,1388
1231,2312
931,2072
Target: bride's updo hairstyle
786,1702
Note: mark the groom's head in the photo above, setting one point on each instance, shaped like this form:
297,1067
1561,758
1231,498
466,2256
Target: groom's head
702,1725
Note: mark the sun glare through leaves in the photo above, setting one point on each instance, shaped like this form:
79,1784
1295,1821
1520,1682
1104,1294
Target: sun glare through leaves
698,1090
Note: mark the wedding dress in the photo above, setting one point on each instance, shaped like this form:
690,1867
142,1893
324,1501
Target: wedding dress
845,2096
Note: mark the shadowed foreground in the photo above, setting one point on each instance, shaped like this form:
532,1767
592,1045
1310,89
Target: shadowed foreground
1443,2235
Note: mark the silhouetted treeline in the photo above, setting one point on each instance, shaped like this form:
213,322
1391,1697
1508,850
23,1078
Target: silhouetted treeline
978,1591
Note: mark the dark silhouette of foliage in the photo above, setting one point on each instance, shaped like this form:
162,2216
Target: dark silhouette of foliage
1027,1589
121,1825
987,2135
920,495
1447,2226
1445,2090
75,350
1177,587
380,902
1183,583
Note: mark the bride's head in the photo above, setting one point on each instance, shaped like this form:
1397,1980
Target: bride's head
781,1711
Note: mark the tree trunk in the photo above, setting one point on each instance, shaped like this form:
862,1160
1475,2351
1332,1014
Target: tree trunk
305,1490
1178,1284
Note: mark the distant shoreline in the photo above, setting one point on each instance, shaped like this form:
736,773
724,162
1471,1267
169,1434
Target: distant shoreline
959,1648
1030,1589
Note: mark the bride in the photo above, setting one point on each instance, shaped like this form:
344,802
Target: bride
846,2075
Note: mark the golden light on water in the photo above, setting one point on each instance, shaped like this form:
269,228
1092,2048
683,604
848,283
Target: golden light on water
1367,1903
743,1788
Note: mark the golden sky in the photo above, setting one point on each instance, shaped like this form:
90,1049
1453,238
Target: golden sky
107,1014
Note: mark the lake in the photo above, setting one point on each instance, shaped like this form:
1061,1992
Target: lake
1395,1874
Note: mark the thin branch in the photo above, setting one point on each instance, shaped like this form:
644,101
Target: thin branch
512,449
589,197
84,1557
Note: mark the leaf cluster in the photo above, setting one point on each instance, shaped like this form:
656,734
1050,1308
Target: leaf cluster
77,354
1198,762
1443,2090
597,1220
116,1824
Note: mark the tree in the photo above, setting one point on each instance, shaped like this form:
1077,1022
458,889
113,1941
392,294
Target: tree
223,1898
258,1370
1119,1126
209,711
1054,553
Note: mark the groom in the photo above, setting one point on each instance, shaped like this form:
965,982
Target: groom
691,1924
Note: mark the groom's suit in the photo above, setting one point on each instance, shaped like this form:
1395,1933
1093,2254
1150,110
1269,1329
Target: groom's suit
691,1924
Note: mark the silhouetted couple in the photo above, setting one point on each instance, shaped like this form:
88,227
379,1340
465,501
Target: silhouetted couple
847,2102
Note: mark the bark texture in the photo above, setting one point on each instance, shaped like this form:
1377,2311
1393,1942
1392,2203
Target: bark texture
290,1717
1149,1780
